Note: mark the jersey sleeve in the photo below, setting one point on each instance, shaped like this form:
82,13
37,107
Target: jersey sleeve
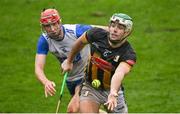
129,57
42,46
80,29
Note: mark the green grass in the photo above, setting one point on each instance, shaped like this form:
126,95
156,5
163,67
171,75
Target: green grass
152,85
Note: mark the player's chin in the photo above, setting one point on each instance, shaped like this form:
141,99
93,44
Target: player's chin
114,40
54,36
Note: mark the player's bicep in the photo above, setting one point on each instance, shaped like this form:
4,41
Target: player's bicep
40,61
124,68
83,39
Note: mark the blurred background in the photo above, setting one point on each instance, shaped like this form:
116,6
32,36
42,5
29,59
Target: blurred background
153,84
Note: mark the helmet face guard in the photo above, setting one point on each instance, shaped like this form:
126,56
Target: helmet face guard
123,19
49,16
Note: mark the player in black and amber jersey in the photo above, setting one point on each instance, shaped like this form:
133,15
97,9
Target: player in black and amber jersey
112,57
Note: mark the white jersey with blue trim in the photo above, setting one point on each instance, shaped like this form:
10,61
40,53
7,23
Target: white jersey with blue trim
61,48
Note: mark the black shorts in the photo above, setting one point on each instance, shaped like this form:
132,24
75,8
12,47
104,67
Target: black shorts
71,85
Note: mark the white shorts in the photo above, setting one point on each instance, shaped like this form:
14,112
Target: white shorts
100,96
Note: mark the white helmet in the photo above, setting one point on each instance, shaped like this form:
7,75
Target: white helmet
124,20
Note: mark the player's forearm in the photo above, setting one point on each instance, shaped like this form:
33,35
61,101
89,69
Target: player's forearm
40,75
119,75
77,47
39,68
116,82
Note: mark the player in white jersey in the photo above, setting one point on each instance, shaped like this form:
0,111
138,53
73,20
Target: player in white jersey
58,39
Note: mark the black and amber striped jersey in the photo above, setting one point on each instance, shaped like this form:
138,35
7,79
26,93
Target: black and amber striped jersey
101,49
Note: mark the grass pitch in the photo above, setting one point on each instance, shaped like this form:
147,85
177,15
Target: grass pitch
152,85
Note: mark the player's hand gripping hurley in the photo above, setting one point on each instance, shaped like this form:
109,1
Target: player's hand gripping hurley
61,92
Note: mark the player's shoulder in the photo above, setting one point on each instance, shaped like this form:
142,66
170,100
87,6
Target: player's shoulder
76,26
69,26
97,32
129,49
43,37
127,46
97,29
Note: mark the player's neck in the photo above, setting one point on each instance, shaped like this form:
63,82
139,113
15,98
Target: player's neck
116,45
61,35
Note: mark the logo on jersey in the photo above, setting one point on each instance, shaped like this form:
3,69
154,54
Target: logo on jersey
70,31
116,58
106,52
63,49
